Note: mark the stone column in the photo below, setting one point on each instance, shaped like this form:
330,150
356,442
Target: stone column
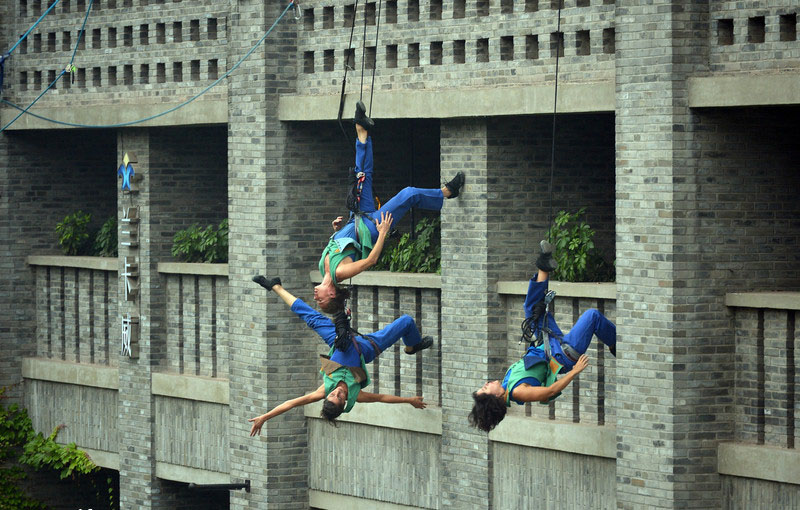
674,356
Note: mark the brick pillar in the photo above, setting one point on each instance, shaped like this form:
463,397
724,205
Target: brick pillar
470,314
674,341
271,359
139,487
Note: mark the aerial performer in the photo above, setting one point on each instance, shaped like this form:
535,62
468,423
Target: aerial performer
534,378
356,244
344,371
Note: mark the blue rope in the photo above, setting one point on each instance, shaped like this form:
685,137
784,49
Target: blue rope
31,29
63,71
170,110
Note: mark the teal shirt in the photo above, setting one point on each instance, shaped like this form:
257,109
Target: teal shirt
339,249
344,374
542,372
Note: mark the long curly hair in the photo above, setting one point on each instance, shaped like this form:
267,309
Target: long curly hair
337,303
331,411
341,320
487,411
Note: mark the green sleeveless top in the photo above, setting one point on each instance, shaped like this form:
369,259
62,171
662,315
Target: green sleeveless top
339,249
343,373
543,372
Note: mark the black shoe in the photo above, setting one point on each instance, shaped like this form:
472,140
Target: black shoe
546,262
267,284
455,185
361,117
424,344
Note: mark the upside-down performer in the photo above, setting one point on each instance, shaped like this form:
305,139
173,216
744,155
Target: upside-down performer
344,372
534,378
356,244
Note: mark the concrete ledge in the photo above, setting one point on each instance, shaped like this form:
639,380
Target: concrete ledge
465,102
744,90
99,263
592,440
775,300
103,458
96,376
192,268
389,279
759,461
332,501
191,387
392,416
200,112
564,289
186,474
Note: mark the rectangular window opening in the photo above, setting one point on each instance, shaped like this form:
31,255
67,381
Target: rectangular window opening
161,72
413,10
436,10
127,36
112,37
582,3
66,41
369,8
413,55
391,56
213,69
37,43
725,32
144,74
144,35
96,40
531,5
350,58
507,47
609,44
459,9
161,33
370,57
177,32
308,19
194,30
436,53
349,15
328,60
482,50
459,52
37,80
96,77
128,74
557,44
556,4
23,80
583,44
482,7
81,79
195,70
112,76
391,11
327,17
211,29
788,27
506,6
531,47
308,62
177,72
755,29
51,41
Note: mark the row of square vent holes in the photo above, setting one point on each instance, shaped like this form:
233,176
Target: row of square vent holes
38,7
757,28
112,78
435,10
95,36
582,47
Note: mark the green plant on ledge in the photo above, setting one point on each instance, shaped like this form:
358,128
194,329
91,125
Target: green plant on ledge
577,257
105,242
420,255
196,244
73,233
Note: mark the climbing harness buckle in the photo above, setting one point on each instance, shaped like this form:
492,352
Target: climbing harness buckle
528,324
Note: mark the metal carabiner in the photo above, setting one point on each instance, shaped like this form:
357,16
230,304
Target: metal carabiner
297,13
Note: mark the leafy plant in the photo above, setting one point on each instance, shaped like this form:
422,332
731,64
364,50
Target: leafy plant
20,444
575,252
196,244
73,233
420,255
105,242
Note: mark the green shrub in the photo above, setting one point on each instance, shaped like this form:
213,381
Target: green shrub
420,255
196,244
105,242
73,233
577,257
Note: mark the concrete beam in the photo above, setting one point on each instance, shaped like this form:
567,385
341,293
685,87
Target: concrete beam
333,501
759,461
566,289
389,279
186,474
96,376
102,458
99,263
447,103
200,112
191,387
391,416
193,268
744,90
774,300
589,440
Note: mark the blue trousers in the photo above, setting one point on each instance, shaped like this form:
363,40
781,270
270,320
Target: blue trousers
590,323
403,328
399,205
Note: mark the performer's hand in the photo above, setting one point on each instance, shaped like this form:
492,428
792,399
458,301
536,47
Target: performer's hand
385,223
337,223
582,363
258,421
417,402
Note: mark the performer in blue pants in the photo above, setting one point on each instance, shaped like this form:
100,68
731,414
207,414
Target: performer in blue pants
534,378
344,372
356,244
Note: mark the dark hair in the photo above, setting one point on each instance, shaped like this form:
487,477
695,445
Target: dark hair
341,322
331,411
336,304
487,412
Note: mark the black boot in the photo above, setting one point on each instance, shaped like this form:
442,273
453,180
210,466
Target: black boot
546,262
424,344
455,185
267,283
361,117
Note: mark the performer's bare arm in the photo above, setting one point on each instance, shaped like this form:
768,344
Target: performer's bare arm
259,421
528,393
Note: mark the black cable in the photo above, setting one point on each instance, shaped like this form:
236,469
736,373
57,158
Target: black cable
375,62
555,107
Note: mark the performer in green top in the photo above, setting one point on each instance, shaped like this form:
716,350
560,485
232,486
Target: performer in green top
356,244
344,372
534,378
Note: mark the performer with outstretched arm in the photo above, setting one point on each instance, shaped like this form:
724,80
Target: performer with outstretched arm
356,244
534,378
344,371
